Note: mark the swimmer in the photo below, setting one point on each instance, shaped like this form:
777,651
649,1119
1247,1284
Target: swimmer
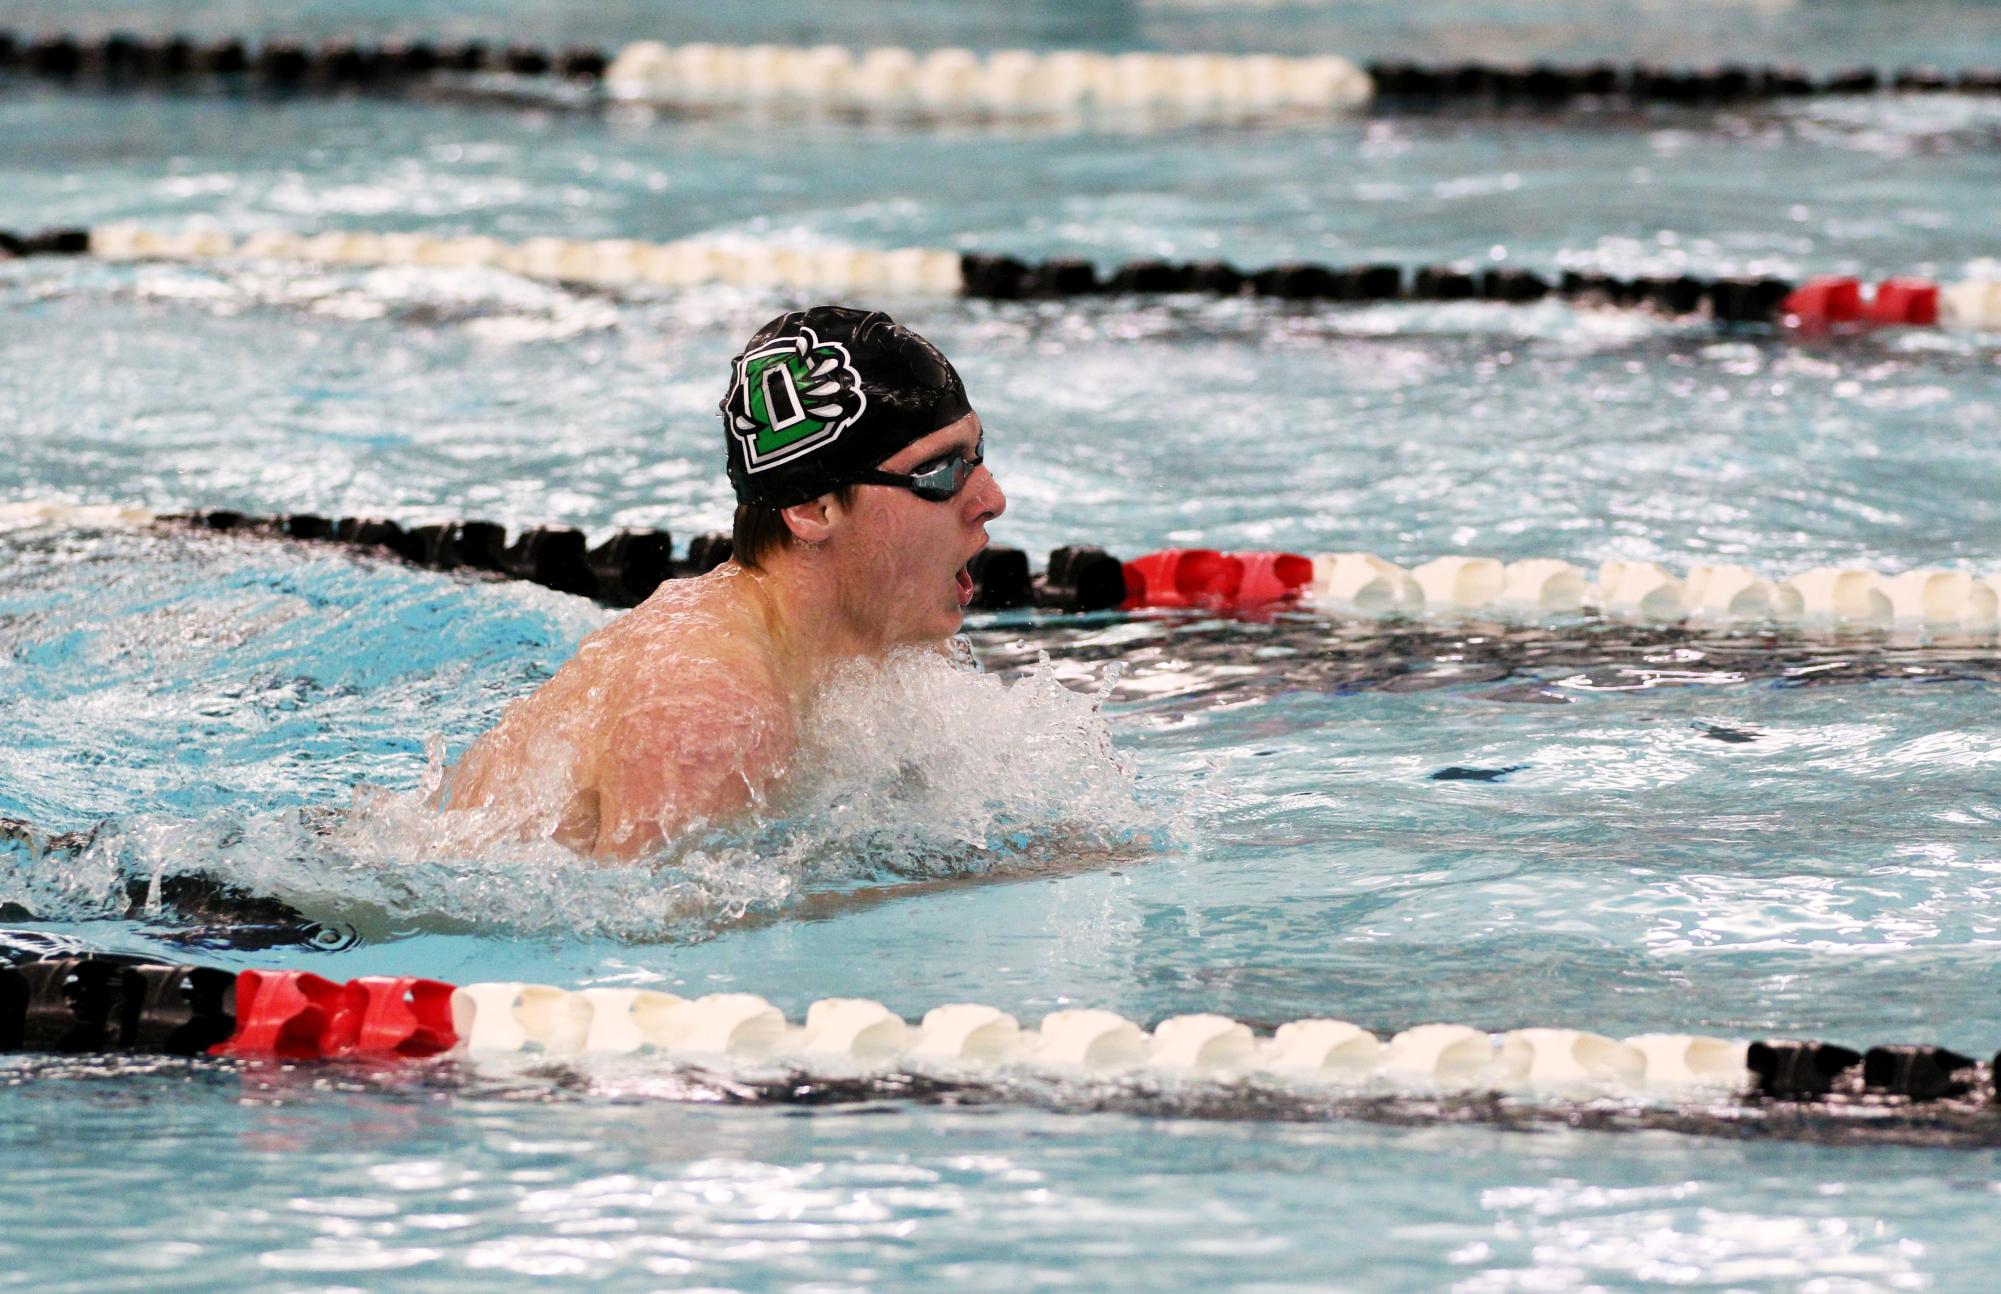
857,464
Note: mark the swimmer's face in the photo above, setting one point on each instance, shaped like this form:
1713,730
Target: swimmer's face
904,556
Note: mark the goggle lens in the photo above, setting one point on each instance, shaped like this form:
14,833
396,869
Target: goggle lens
942,482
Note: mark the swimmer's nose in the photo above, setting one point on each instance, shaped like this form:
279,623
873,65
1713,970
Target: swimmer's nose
983,497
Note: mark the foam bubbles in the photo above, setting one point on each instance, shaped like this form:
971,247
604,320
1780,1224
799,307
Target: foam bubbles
952,756
915,767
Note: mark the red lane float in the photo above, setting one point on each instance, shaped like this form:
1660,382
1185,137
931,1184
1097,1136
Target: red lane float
397,1016
1819,303
281,1013
1182,577
297,1015
1271,578
1207,579
1823,301
1911,302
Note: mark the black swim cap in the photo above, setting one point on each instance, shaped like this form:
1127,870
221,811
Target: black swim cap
821,395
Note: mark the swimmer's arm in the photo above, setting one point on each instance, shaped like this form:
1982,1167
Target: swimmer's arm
670,763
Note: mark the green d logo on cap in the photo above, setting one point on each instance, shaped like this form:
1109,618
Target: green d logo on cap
792,397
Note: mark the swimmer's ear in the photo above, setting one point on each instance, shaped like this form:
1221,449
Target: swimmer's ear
813,521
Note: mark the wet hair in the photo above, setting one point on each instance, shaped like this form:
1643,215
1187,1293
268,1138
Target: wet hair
759,531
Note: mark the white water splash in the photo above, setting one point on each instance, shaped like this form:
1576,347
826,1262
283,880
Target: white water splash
913,769
955,756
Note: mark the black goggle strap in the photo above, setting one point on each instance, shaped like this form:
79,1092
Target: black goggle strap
940,483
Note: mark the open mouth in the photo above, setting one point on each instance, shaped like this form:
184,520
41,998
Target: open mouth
965,581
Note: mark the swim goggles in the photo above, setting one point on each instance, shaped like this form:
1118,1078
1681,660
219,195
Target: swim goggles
940,483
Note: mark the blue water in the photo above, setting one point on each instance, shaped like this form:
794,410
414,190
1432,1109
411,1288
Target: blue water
1692,836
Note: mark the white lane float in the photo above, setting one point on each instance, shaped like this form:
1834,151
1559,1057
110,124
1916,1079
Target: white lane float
1322,1048
1843,594
1718,593
1558,1058
1971,304
1992,586
885,79
962,1038
554,1020
1201,1044
857,1028
730,1024
948,80
967,1032
1463,583
1640,591
1683,1060
512,1016
626,1020
1543,586
1008,83
54,514
611,262
1363,582
1939,597
1089,1039
1723,591
1441,1055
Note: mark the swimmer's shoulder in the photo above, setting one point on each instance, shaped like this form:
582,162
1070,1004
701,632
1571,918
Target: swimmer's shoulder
701,643
696,606
700,727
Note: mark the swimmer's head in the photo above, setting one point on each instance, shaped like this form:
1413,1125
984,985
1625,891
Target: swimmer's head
859,465
820,397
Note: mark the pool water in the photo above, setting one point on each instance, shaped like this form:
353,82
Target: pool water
1667,832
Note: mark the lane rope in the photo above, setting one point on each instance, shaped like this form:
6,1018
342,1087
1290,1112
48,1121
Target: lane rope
102,1004
124,60
625,567
939,83
1818,305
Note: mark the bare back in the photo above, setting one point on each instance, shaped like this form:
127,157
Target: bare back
674,712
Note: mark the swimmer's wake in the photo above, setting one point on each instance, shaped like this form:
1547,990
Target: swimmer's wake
198,910
916,775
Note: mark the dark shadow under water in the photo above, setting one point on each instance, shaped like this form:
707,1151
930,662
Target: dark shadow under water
1196,661
1968,1120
